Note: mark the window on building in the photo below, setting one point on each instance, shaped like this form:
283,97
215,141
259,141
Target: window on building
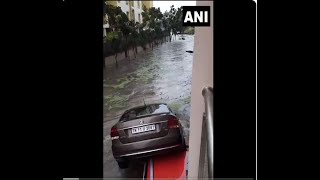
133,15
127,2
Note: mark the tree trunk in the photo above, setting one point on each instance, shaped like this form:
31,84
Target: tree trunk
104,62
126,48
134,52
116,57
128,57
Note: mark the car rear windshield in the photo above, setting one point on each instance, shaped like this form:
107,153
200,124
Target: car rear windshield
145,111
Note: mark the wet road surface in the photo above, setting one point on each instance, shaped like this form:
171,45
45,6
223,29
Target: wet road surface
159,75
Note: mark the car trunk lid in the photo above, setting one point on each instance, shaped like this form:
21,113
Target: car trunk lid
149,127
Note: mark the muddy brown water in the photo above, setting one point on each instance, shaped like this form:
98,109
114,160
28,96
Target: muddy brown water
159,75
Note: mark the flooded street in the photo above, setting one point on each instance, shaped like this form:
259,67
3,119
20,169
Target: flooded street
159,75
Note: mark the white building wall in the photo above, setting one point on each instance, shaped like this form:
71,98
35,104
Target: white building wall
136,13
105,26
136,4
124,6
137,10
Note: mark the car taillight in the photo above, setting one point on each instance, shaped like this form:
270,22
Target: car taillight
114,132
173,122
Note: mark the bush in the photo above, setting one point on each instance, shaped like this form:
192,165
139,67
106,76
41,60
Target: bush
112,43
189,30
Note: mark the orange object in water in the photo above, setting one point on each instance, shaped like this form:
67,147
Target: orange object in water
170,166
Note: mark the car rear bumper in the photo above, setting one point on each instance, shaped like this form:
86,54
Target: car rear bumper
148,153
173,141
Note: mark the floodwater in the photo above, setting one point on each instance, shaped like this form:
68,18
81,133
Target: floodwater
159,75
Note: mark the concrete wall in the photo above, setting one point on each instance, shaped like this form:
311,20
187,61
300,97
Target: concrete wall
202,75
110,60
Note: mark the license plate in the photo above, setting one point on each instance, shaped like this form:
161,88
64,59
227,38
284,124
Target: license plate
143,129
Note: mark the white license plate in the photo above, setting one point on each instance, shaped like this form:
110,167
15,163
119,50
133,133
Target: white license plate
143,129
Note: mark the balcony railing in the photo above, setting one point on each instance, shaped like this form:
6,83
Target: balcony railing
206,148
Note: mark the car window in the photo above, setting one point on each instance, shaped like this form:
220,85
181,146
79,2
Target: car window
160,108
145,111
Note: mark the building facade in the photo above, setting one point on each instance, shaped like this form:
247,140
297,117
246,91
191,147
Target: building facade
133,9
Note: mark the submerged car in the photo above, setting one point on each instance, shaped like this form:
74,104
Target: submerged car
146,131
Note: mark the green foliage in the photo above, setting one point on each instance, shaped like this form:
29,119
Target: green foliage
189,30
113,35
126,34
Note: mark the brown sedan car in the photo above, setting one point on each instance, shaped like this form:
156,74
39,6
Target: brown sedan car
145,131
